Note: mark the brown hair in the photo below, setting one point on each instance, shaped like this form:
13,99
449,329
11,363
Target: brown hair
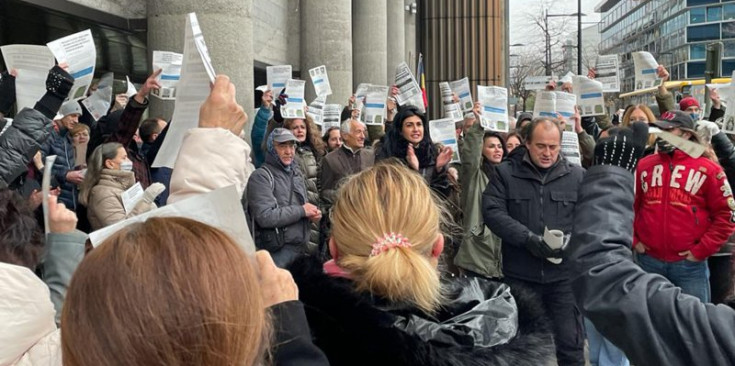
169,291
21,239
312,135
644,108
649,115
79,127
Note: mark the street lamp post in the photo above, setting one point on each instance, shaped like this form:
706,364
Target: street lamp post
579,37
579,15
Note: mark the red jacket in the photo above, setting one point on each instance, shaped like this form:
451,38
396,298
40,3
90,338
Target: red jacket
681,204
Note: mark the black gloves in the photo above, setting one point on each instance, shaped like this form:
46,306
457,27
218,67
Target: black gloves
59,82
281,100
623,146
536,245
58,86
7,92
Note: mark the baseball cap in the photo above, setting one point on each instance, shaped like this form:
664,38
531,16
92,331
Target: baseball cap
674,119
688,102
283,135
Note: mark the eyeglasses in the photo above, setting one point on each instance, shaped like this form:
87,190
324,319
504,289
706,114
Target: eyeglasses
633,120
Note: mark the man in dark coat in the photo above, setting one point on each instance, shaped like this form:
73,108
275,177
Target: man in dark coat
61,145
351,158
536,190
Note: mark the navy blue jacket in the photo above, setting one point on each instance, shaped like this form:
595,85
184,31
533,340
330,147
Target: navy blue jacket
60,144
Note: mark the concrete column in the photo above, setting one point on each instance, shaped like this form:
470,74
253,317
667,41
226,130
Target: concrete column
412,55
396,38
293,37
369,48
228,31
326,39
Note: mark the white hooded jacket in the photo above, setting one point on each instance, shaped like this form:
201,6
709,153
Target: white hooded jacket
28,333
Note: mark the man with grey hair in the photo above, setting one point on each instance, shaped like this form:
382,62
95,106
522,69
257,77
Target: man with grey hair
351,158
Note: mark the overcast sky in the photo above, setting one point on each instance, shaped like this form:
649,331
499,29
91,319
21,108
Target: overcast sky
524,31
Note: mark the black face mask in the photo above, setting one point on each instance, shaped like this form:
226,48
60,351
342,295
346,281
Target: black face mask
664,146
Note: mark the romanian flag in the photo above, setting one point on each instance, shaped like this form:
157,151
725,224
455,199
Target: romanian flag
422,79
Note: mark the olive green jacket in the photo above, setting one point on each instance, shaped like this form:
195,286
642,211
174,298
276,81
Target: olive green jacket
480,248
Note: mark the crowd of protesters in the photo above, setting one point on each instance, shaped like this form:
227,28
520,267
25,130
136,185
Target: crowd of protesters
375,247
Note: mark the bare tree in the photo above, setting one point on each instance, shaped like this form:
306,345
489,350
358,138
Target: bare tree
523,67
552,29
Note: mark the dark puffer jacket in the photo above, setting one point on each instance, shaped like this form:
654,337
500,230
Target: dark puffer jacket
355,328
725,155
60,144
522,201
308,161
20,142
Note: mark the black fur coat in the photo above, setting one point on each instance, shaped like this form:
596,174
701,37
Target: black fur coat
354,329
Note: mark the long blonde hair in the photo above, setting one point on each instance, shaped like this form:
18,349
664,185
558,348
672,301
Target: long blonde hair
390,198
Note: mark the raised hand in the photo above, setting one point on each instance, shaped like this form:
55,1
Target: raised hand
220,109
61,220
714,95
444,157
267,98
150,84
411,158
623,146
276,284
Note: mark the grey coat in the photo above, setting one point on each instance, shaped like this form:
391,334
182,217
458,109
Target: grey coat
275,200
63,254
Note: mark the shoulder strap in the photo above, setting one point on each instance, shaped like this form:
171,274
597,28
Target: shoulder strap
270,177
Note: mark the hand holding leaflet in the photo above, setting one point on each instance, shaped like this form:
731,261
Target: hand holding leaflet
197,77
645,70
320,79
494,100
78,51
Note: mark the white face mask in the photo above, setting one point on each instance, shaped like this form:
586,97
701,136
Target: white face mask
126,165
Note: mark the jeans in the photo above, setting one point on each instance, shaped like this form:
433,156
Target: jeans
602,351
566,320
691,277
286,255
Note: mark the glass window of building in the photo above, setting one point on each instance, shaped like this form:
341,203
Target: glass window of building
703,32
714,13
729,48
701,2
695,69
697,51
728,30
728,11
728,66
697,15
